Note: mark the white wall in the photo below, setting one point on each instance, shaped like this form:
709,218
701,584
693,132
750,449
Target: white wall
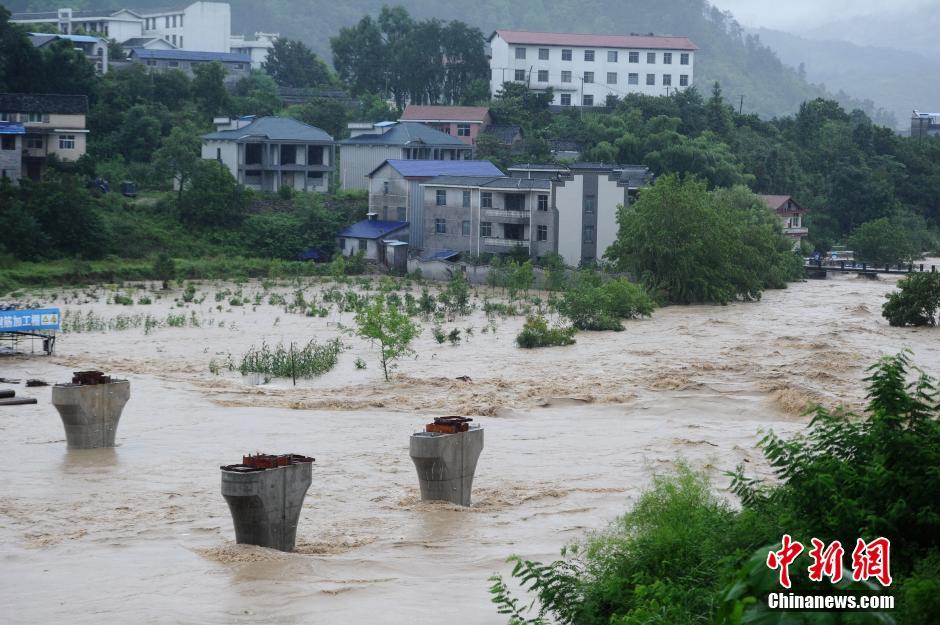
229,154
206,26
609,197
504,63
569,202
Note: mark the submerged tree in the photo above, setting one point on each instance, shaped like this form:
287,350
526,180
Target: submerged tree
392,329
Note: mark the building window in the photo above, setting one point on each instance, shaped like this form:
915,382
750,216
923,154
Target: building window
667,58
634,57
33,142
5,117
173,64
667,80
520,53
683,80
543,54
651,79
8,142
520,75
587,100
465,228
684,58
541,233
239,66
66,142
466,199
400,213
486,199
342,244
174,39
363,245
385,187
611,78
566,99
181,21
441,197
588,77
173,21
34,118
543,75
651,58
167,23
588,234
543,203
633,79
463,130
151,63
611,56
440,226
566,55
565,75
589,56
181,41
486,229
589,203
218,154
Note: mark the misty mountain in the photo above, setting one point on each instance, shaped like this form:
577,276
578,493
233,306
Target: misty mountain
896,80
914,29
742,65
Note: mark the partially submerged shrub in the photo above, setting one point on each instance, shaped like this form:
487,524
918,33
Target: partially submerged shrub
309,361
536,333
916,302
594,306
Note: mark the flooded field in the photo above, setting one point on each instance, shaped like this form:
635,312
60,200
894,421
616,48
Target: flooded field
141,534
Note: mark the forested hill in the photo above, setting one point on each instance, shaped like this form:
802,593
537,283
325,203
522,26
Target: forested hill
739,62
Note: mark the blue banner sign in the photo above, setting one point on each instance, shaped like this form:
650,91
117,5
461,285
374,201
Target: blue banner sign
32,320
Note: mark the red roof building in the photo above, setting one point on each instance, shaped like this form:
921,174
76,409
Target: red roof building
463,122
790,212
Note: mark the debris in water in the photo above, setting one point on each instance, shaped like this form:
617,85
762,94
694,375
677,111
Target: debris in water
34,382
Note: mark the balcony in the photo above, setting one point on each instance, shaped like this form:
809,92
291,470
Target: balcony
503,216
796,232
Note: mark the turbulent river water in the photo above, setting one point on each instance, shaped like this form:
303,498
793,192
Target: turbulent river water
140,533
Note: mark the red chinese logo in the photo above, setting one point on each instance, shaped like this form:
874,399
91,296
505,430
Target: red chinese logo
869,560
872,559
783,558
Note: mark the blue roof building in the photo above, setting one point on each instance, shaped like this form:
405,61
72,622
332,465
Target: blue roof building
236,65
11,150
372,144
373,237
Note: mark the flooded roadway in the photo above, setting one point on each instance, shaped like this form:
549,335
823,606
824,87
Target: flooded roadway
141,534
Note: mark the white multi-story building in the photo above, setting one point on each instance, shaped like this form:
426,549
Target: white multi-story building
583,70
199,26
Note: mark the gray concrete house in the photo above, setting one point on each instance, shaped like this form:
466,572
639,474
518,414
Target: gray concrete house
11,151
372,144
267,153
382,241
587,197
492,215
395,188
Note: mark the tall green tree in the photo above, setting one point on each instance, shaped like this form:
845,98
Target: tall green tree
213,197
292,64
178,156
209,90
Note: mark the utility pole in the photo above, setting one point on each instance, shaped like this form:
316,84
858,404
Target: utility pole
741,105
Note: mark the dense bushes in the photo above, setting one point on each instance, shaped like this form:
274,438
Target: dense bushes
536,333
593,304
684,555
916,302
688,245
881,242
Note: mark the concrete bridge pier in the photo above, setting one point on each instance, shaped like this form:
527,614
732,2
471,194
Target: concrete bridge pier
445,457
90,408
265,494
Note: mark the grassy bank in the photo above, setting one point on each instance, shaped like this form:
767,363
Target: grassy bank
21,275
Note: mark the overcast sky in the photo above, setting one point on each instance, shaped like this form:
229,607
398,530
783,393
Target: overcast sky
809,13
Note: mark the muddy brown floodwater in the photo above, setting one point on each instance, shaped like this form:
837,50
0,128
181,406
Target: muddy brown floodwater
141,534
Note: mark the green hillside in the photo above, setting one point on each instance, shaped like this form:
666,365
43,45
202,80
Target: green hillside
739,62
